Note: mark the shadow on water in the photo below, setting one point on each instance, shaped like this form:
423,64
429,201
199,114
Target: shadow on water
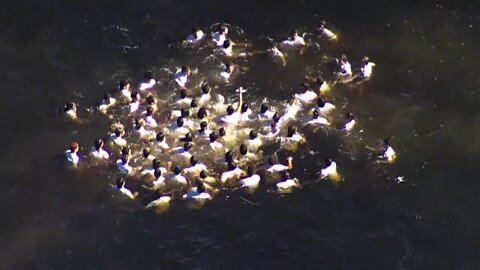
424,97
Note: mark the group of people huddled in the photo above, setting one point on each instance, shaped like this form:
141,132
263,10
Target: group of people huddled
194,143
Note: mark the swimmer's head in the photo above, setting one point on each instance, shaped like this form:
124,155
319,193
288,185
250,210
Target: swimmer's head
202,113
180,122
146,152
250,171
193,160
224,29
120,182
213,136
119,132
276,118
106,98
125,151
344,58
328,161
203,174
205,88
148,75
74,147
186,70
149,110
244,107
322,24
69,106
293,33
124,85
187,146
227,43
160,137
150,100
230,110
243,149
184,113
285,176
228,67
194,103
135,96
253,134
222,132
319,81
155,163
291,131
98,144
188,137
349,116
320,102
203,125
387,142
229,156
183,94
315,113
365,60
177,170
264,108
124,160
200,187
231,165
157,173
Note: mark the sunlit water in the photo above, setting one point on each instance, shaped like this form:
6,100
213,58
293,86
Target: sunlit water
423,96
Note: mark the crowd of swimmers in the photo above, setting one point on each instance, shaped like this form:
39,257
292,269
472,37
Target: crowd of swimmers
194,143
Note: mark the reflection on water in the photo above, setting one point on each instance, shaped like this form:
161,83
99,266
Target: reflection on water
423,97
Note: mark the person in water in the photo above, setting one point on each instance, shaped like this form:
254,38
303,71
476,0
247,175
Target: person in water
120,185
326,33
182,75
72,153
196,36
220,36
344,67
148,82
98,151
124,87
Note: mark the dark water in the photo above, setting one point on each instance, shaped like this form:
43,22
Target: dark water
424,96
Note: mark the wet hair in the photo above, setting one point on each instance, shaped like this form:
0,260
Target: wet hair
320,102
230,110
185,69
273,128
157,173
293,33
253,134
276,118
134,95
285,176
328,162
203,125
124,159
387,142
228,67
195,29
205,88
139,122
177,170
193,160
149,111
366,59
187,146
271,160
74,146
183,93
202,113
146,152
203,174
160,136
243,149
184,113
221,132
231,165
120,182
98,144
213,136
148,75
188,137
291,131
150,100
194,103
223,28
244,107
68,106
264,108
123,84
343,57
323,23
106,98
349,116
200,187
229,156
155,163
250,171
125,151
305,86
227,43
315,113
180,121
319,81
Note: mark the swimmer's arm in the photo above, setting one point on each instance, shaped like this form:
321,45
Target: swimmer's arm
239,106
290,162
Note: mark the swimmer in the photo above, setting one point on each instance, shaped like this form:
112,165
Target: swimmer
366,68
134,101
70,111
307,96
159,179
124,87
294,40
123,166
161,199
251,180
253,141
160,138
120,185
287,183
148,118
198,194
317,120
319,84
195,167
147,154
233,173
345,69
117,137
205,97
139,127
349,122
232,117
277,55
183,151
273,167
214,144
150,101
183,102
329,169
387,155
273,132
178,129
72,153
150,170
187,137
196,36
245,154
181,77
245,112
204,131
293,136
324,32
98,151
219,37
106,103
148,82
202,113
227,71
208,180
323,106
265,112
227,48
176,178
